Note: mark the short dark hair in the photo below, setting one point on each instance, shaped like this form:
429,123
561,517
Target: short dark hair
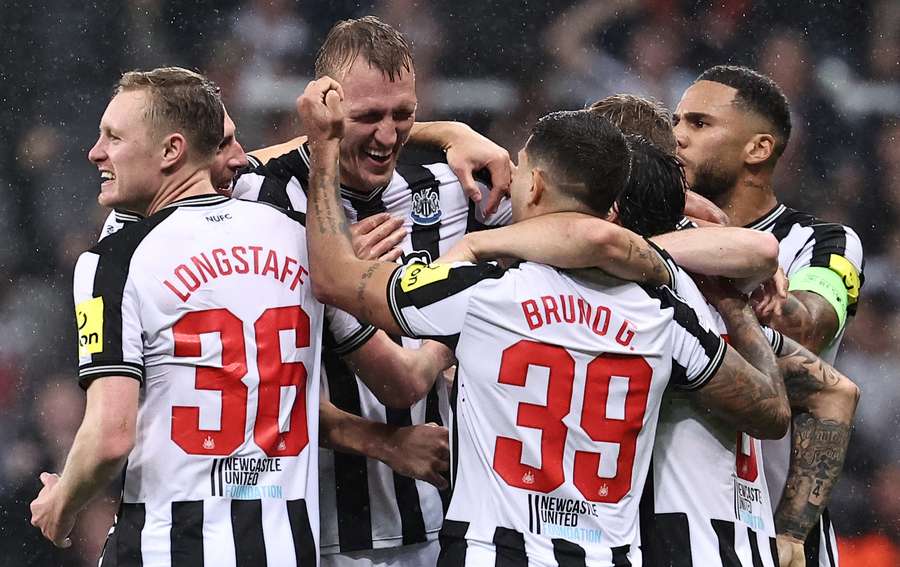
639,115
756,93
180,100
653,199
585,154
382,46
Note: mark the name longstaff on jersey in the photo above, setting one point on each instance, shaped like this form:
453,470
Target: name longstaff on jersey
218,322
555,404
365,505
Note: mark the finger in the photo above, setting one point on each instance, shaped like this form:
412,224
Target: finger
385,243
493,201
437,480
501,173
368,224
391,256
470,188
49,479
333,102
64,543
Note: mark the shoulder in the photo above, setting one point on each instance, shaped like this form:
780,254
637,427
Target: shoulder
122,243
271,210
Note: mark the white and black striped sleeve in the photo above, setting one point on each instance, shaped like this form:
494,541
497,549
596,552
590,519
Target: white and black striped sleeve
431,301
107,319
827,240
348,332
697,350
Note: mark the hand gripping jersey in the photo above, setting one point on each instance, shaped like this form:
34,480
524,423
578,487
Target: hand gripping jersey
706,502
555,405
364,504
806,242
217,321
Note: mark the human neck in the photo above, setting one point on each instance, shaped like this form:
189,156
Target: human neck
748,199
180,186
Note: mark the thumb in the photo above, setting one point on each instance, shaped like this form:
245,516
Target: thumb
333,101
48,478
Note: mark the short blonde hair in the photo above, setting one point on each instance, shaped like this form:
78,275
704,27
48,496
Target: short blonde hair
180,100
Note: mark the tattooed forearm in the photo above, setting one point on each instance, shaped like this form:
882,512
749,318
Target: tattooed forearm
817,458
805,375
807,318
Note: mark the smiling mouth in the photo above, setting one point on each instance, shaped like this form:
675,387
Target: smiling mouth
378,156
107,176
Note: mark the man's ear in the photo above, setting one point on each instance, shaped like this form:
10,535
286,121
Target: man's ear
759,149
174,150
538,184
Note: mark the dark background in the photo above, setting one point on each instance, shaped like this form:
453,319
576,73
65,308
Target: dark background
496,65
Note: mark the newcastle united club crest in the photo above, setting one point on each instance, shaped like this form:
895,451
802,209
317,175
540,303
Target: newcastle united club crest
426,205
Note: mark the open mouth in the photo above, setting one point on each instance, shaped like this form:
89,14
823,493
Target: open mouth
381,157
107,176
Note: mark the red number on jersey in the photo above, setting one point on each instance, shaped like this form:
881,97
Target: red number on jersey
273,375
745,462
619,385
612,421
508,453
186,430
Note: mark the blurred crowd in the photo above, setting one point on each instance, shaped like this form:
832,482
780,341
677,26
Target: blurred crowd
496,65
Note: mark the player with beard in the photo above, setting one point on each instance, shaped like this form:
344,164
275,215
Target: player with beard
651,204
732,125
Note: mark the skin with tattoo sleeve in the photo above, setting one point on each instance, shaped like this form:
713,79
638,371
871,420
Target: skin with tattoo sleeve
823,402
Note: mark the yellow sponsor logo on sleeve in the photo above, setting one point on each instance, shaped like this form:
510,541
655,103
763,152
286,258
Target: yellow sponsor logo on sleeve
418,275
842,267
89,318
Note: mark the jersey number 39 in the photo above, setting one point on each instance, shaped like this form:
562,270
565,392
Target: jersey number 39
273,376
613,406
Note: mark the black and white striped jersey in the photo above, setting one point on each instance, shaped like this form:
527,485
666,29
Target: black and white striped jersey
364,504
706,502
217,321
806,241
555,400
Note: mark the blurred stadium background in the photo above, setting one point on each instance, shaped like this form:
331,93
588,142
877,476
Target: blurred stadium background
496,65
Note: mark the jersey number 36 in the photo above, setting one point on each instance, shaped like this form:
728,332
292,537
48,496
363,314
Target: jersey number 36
273,376
613,406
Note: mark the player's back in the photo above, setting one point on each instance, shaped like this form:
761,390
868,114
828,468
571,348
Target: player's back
708,491
555,405
209,303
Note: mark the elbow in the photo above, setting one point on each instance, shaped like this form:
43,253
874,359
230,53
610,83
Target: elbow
401,397
768,248
114,449
775,424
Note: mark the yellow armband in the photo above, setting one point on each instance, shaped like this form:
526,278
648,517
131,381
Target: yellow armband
828,284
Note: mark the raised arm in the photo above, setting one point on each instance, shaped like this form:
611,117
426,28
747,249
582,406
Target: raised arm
823,402
338,276
748,390
568,240
101,447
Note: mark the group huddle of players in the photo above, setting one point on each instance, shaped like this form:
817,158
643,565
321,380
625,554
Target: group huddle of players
570,361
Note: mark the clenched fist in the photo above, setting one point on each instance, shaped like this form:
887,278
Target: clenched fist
321,111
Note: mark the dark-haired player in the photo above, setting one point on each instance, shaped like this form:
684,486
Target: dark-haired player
732,125
558,380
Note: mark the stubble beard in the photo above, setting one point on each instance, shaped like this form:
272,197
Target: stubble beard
713,182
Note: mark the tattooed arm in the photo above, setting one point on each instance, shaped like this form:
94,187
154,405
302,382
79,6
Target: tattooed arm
752,396
338,276
808,318
823,402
